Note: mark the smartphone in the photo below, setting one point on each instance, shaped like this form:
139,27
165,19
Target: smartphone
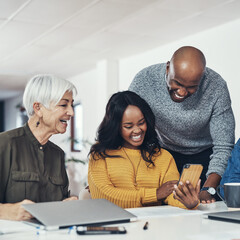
191,172
100,230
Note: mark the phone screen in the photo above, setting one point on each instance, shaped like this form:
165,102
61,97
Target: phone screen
101,230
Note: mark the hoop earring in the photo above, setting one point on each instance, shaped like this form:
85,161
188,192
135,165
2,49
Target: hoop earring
37,123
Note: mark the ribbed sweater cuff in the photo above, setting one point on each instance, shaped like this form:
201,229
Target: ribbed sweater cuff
150,195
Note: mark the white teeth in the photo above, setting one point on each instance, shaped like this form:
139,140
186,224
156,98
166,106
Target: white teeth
177,96
136,137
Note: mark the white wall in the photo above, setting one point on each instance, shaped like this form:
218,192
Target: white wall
94,89
87,93
87,96
221,48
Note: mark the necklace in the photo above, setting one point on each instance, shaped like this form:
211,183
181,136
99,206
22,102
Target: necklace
136,171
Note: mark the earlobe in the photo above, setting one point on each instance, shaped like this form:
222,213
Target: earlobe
37,106
37,109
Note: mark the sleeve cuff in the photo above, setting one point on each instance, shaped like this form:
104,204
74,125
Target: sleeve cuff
150,195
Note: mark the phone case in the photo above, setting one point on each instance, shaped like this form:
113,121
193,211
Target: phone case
100,230
191,172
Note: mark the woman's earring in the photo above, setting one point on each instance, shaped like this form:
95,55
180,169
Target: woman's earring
37,123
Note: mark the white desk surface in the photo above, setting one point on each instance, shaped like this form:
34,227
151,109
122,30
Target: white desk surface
165,223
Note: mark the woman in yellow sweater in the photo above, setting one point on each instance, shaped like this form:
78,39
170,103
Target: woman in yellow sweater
127,165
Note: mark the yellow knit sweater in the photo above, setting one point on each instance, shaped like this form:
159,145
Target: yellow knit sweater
128,182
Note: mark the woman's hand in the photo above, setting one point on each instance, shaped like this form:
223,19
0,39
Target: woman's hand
166,189
71,198
187,195
15,211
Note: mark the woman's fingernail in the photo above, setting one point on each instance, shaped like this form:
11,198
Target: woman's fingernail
187,182
175,186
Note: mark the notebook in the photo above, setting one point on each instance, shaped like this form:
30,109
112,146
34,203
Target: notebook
232,216
53,215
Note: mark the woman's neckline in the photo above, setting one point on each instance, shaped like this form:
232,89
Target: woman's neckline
130,149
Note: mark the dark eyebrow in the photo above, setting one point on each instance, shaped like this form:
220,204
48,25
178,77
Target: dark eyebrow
127,123
177,82
132,123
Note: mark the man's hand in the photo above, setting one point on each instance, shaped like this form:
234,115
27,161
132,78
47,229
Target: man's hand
213,180
15,211
166,189
206,197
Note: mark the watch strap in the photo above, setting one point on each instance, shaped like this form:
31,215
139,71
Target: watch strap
210,190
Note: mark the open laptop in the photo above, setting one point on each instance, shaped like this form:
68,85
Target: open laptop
231,216
53,215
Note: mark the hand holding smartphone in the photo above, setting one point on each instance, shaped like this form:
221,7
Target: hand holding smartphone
189,196
100,230
192,173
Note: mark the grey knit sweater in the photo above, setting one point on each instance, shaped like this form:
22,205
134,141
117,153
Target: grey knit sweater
203,120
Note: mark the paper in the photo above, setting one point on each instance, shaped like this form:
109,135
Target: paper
13,227
162,211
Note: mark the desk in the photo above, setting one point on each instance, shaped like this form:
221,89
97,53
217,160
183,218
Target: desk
165,222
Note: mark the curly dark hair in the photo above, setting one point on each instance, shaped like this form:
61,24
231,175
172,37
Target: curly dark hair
109,132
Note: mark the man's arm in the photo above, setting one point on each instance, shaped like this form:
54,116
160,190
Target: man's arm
222,129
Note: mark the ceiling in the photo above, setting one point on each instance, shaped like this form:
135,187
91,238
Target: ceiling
67,37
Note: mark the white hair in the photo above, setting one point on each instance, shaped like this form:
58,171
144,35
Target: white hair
46,89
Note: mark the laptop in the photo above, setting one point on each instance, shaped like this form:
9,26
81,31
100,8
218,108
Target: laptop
54,215
231,216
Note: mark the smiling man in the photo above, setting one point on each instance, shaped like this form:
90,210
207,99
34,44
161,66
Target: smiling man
193,112
184,73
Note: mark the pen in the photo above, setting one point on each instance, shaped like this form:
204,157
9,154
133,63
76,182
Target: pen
145,227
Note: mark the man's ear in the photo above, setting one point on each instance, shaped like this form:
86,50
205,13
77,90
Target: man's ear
37,109
167,67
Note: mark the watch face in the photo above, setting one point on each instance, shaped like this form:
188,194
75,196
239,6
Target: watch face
211,190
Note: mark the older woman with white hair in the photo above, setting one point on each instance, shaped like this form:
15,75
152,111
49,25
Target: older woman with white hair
32,168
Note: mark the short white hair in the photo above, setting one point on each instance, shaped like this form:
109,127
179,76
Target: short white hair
46,89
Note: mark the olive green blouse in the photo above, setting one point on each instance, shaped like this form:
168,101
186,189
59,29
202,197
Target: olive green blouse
29,170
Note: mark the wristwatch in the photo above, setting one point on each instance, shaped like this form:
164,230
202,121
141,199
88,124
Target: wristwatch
210,190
